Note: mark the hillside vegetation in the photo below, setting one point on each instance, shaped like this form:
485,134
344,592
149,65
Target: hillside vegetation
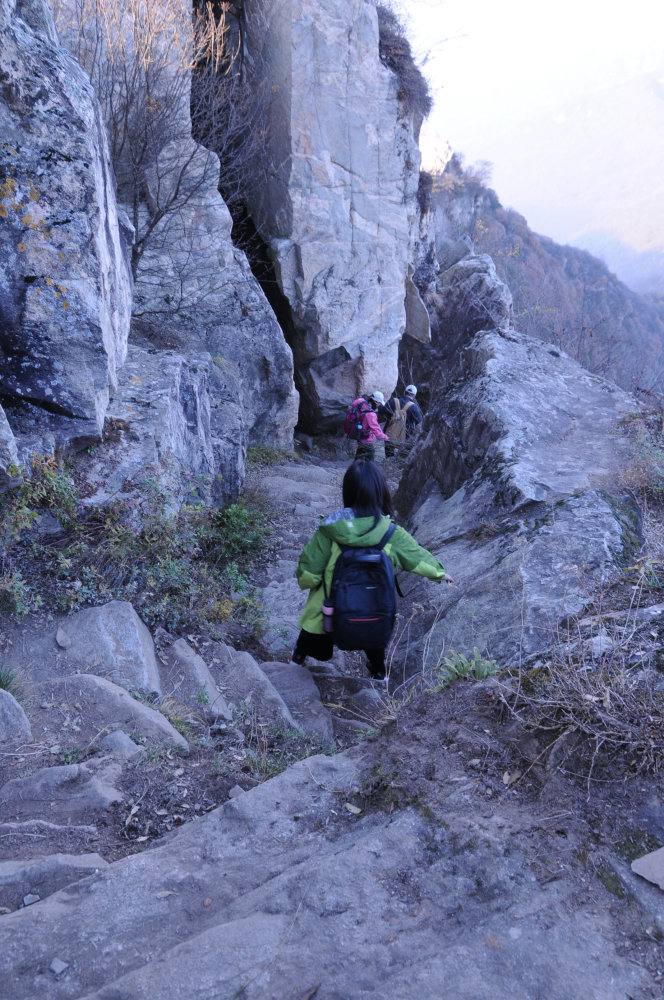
560,294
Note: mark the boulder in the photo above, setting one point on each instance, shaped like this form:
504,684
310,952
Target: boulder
187,679
296,686
85,707
65,289
112,642
69,793
118,744
338,205
14,725
248,689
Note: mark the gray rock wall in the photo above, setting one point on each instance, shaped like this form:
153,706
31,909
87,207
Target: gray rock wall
516,482
175,417
8,452
192,280
192,286
336,196
65,291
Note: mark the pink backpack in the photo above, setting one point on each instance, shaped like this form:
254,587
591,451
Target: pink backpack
354,426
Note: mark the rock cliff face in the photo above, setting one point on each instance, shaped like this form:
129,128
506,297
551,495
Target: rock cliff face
516,482
336,196
192,281
193,289
176,417
65,291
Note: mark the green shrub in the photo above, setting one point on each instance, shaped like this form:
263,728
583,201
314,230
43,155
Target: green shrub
178,565
16,597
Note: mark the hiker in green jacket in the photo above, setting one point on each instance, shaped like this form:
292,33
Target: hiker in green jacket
363,521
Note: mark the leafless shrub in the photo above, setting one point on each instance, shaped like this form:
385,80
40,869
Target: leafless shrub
599,696
396,53
229,115
162,73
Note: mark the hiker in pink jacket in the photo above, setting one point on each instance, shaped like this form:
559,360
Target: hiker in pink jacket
366,447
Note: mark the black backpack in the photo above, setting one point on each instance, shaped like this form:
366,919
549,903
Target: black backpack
363,596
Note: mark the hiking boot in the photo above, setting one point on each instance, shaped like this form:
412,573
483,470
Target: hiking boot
297,657
376,675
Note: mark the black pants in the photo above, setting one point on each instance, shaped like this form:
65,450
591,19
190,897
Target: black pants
321,647
365,450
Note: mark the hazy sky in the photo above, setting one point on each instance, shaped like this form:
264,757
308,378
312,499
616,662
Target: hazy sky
492,63
508,76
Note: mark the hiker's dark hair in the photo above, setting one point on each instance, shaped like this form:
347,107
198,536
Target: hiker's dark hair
365,490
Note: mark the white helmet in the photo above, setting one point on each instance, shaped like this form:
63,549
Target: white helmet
378,397
411,390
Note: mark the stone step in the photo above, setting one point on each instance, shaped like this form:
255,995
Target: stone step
296,686
37,878
293,890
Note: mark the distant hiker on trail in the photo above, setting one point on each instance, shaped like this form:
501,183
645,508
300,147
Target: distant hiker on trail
358,537
377,399
361,424
403,416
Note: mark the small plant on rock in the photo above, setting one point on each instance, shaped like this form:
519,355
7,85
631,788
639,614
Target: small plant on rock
455,667
259,455
9,682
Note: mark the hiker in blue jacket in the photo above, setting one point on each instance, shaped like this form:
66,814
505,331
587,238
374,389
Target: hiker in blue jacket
363,521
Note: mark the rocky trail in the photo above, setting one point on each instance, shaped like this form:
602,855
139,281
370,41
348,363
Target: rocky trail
418,861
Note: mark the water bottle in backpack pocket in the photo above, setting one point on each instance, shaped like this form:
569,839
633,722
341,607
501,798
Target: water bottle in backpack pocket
363,596
328,615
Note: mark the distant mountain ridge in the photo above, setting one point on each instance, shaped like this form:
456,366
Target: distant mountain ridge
598,161
561,294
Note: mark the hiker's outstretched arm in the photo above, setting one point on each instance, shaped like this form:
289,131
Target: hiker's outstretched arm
413,557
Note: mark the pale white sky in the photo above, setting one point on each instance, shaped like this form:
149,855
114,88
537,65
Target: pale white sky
556,96
492,63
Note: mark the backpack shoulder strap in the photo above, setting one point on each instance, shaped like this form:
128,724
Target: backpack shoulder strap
408,405
397,406
386,537
383,542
